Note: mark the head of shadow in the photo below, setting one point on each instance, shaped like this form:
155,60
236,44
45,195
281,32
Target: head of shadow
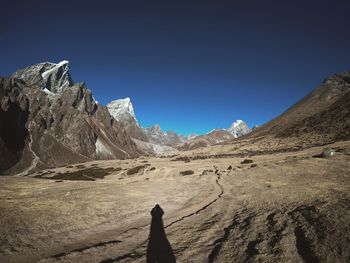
159,249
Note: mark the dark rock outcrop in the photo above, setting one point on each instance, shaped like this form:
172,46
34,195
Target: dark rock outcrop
14,110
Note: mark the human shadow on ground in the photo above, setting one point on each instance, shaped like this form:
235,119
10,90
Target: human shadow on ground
159,249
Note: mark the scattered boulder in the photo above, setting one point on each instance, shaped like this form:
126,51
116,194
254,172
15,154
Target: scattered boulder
326,153
246,161
187,172
135,170
254,165
59,181
229,168
207,171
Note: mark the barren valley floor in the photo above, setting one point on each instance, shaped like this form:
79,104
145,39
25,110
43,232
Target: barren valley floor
281,207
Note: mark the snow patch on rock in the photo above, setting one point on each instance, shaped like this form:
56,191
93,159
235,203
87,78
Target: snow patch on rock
102,150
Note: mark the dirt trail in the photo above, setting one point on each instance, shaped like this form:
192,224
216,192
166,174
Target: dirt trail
283,207
174,218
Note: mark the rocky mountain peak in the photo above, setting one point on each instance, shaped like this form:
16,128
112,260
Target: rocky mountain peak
239,128
50,77
121,109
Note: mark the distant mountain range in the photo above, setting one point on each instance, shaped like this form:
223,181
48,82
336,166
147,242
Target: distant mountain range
154,137
47,120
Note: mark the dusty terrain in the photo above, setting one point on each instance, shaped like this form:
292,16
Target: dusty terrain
277,206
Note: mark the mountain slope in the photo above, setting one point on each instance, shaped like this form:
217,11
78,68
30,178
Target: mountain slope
291,121
331,124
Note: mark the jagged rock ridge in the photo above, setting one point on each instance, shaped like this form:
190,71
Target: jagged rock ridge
50,77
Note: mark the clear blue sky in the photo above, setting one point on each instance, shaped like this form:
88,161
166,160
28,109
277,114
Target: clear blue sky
189,66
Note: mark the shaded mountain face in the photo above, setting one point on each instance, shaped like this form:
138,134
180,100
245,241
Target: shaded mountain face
55,125
168,138
320,117
14,111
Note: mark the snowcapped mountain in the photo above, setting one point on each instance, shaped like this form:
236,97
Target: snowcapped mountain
151,140
50,77
239,128
122,111
215,136
169,138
